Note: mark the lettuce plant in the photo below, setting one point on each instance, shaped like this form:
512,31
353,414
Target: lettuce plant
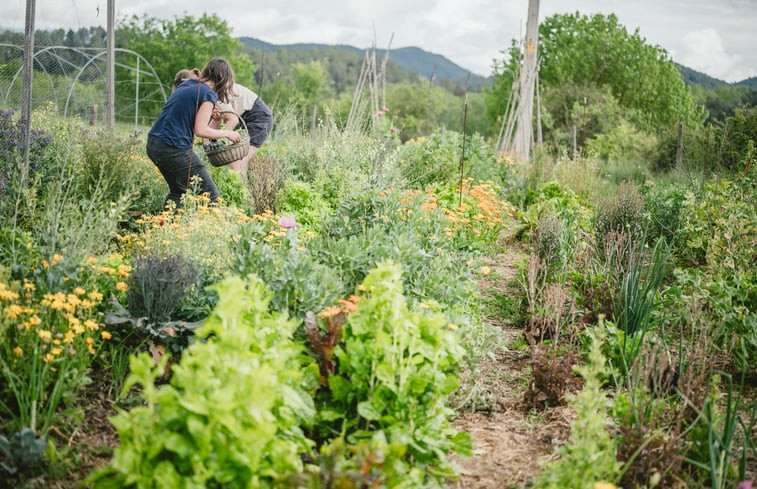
232,413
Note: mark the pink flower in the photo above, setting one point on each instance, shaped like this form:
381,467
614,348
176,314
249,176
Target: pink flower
385,109
745,484
286,222
394,129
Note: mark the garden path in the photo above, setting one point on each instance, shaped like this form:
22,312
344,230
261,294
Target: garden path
508,441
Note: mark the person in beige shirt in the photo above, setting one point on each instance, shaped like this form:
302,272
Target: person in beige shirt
252,112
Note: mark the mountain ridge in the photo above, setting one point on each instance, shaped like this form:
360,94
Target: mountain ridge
411,58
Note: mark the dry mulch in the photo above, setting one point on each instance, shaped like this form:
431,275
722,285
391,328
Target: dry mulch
509,442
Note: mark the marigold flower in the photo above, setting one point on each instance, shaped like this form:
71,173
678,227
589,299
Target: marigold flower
56,351
604,485
122,286
18,351
44,335
69,337
349,307
56,259
91,325
329,312
48,358
73,299
453,327
361,288
79,291
105,335
95,296
30,286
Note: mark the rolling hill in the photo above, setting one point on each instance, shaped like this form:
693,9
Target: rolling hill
410,59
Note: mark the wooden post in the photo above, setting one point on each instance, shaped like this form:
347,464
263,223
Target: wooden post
26,96
524,131
679,147
110,70
93,115
573,143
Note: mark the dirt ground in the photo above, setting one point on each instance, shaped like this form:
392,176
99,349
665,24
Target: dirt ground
509,442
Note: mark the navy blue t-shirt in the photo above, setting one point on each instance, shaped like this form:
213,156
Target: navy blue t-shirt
175,125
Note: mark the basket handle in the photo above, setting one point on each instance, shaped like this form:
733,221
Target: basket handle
239,118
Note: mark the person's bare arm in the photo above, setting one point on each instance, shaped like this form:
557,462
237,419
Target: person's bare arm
204,131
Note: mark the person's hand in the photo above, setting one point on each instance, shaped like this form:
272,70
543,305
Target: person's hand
216,114
233,135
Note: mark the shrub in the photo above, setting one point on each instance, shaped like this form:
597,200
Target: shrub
158,286
304,202
621,214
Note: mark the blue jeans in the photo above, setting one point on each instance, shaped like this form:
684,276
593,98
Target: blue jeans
174,164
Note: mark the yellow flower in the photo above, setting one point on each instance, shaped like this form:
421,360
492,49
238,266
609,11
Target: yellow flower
12,311
56,258
86,304
45,335
45,264
105,335
453,327
91,260
91,325
79,291
95,296
604,485
485,270
124,271
29,286
69,337
361,288
56,351
35,320
18,351
73,299
122,286
48,358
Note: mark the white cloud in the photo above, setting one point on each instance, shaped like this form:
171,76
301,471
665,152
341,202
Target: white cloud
703,51
469,33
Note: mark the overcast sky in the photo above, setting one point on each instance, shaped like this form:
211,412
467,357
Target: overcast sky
717,37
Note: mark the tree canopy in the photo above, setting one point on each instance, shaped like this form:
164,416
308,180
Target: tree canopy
597,51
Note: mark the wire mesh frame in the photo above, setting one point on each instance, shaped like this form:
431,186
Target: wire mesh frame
89,56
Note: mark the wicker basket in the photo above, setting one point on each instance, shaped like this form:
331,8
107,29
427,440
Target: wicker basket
223,154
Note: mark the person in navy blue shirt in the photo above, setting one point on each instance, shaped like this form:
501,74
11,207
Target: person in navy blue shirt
185,115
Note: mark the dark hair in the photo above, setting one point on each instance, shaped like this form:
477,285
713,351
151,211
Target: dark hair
184,75
219,71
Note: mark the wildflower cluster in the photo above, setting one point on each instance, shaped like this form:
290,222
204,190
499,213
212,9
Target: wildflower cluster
48,340
476,214
202,234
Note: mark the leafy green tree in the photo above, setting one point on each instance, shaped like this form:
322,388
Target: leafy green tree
598,51
171,45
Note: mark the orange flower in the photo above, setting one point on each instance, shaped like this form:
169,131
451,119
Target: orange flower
349,307
329,312
105,335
